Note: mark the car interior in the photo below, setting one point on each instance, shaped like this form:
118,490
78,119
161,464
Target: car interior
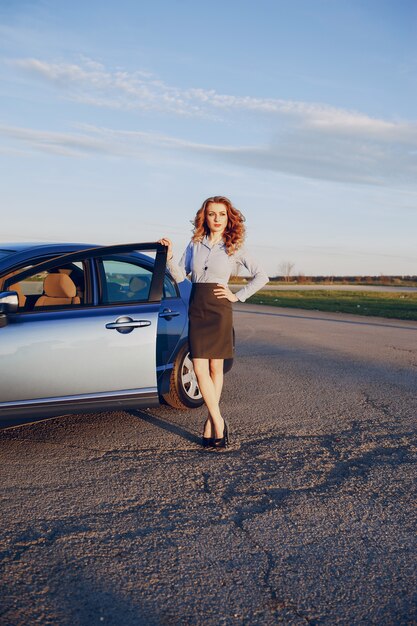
137,289
60,287
65,286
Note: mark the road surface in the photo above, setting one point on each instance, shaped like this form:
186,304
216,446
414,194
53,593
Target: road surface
121,518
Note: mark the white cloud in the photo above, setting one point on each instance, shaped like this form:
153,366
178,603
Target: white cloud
312,154
316,141
90,142
64,144
91,82
308,153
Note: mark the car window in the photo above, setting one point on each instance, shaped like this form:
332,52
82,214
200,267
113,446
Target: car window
124,281
169,288
61,286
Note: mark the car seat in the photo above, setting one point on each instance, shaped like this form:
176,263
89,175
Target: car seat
77,278
58,289
21,296
139,288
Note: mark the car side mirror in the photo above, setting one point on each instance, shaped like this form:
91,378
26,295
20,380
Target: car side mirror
9,302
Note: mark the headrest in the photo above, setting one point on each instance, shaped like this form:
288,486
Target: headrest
59,286
16,287
136,283
21,296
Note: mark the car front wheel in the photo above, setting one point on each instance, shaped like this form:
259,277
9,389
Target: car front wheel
184,392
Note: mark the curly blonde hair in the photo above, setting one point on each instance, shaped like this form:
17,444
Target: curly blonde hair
234,233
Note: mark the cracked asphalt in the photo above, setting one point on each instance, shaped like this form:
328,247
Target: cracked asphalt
309,517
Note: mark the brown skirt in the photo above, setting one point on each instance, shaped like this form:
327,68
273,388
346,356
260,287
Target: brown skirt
210,332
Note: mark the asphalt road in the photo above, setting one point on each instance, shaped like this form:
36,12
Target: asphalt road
121,518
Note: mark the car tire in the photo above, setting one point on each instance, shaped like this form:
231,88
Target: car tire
184,392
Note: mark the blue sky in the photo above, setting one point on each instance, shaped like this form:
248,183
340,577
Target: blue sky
118,118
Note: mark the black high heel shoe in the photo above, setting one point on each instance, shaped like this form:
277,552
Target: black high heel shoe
207,442
223,442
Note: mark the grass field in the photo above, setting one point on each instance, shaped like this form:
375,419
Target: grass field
399,305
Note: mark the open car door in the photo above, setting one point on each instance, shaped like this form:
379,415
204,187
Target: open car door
96,353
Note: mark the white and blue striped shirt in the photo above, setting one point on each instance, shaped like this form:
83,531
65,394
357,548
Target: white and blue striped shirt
212,264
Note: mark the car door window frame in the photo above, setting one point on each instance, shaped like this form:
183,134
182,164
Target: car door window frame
103,282
89,254
172,282
143,264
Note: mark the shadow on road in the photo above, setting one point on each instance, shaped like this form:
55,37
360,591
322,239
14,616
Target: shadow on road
165,425
92,600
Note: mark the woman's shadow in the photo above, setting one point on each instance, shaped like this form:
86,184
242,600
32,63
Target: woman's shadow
165,425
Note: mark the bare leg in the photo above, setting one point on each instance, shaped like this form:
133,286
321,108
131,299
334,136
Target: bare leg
216,374
209,392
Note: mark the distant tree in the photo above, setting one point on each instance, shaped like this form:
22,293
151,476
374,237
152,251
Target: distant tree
286,268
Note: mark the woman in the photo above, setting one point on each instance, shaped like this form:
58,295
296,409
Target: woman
213,254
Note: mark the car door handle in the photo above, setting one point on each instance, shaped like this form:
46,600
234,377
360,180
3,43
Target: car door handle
127,323
167,314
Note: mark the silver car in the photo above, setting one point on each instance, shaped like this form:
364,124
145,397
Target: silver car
90,328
